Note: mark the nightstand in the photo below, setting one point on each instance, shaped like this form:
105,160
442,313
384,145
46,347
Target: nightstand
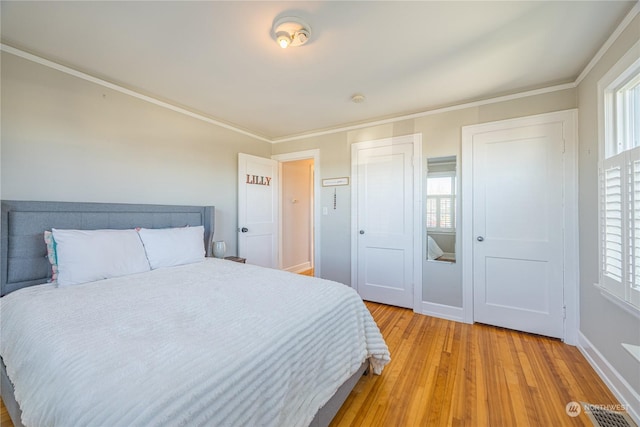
236,259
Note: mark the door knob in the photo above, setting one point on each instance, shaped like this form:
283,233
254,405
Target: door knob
480,239
244,229
361,231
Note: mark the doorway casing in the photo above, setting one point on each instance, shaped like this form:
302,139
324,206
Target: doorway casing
304,155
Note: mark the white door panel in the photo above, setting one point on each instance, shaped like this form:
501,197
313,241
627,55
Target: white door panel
517,228
384,203
256,248
258,210
528,296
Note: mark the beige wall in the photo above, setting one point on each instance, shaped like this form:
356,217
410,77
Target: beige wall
66,139
441,136
604,324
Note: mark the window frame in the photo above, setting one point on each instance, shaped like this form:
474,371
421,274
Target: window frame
616,152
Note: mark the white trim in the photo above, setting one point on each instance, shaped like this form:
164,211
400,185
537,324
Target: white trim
622,69
612,38
571,226
570,217
627,66
121,89
605,47
59,67
416,141
317,209
465,215
616,383
622,304
299,268
442,311
418,221
429,112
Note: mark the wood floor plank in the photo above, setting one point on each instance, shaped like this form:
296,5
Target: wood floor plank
5,421
445,373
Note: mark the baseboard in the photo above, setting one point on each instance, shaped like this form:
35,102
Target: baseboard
442,311
299,268
616,383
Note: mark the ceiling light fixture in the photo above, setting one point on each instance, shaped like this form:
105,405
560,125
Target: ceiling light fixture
291,31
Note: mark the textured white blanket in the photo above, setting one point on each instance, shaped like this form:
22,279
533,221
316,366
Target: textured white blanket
215,343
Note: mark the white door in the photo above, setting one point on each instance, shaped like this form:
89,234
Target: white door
258,210
518,228
384,221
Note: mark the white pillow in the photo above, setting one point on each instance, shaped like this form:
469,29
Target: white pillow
433,250
166,247
88,255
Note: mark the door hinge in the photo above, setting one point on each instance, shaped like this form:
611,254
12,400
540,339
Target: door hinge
564,311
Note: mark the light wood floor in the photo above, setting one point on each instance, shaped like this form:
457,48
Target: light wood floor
5,421
307,272
445,373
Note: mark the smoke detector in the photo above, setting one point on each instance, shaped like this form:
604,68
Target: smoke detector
357,98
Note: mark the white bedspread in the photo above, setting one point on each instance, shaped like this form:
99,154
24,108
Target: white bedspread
215,343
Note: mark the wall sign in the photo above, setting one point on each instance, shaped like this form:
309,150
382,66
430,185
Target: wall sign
258,180
334,182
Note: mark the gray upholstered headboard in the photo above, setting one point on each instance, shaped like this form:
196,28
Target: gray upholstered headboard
23,251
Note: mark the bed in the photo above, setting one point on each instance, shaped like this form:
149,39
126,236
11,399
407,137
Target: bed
209,343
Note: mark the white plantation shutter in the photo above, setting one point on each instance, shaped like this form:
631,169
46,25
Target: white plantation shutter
441,199
633,284
612,230
432,212
447,212
620,225
619,175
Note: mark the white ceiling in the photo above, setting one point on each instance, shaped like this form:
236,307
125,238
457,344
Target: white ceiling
219,58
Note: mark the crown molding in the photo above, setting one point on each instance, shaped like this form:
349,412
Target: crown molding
612,38
635,10
113,86
428,112
84,76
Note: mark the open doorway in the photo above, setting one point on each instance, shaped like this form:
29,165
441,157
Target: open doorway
299,245
297,216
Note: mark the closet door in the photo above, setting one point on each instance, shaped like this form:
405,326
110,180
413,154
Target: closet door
383,224
518,228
